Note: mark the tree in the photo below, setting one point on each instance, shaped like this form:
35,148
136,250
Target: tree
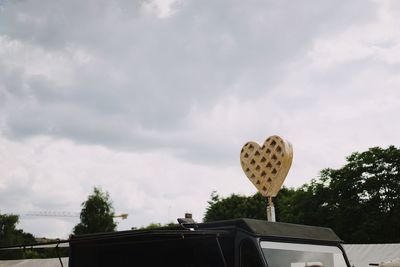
97,214
362,199
157,225
238,206
10,235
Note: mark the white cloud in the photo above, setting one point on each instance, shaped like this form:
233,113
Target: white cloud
52,174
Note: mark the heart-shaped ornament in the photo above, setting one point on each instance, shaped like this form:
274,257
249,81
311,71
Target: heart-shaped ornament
267,166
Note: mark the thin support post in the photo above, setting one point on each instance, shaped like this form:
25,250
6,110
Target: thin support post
270,210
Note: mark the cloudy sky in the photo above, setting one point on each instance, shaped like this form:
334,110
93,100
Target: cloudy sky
153,100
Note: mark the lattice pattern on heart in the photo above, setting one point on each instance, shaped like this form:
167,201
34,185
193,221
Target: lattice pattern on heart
267,166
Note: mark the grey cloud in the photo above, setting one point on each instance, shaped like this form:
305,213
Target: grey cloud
147,73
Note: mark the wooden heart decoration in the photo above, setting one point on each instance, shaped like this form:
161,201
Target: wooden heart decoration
267,166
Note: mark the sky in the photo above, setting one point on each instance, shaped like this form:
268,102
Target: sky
152,100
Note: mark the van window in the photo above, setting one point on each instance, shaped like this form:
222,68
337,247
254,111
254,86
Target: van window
279,254
249,256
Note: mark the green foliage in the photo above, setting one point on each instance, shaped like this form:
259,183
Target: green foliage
234,206
157,225
97,214
10,235
238,206
360,201
152,226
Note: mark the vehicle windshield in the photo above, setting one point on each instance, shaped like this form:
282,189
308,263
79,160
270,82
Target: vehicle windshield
278,254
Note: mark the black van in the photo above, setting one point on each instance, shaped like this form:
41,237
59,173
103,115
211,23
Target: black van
233,243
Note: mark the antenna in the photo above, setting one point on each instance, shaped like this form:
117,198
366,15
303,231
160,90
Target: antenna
267,166
46,213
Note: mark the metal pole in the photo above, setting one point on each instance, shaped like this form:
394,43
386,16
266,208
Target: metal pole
270,210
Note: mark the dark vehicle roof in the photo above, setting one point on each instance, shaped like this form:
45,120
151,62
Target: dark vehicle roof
257,228
146,235
262,228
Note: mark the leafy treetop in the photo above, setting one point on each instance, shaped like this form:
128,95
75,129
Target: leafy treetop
97,214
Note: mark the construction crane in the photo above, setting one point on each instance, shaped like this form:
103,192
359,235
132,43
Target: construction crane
52,214
69,214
